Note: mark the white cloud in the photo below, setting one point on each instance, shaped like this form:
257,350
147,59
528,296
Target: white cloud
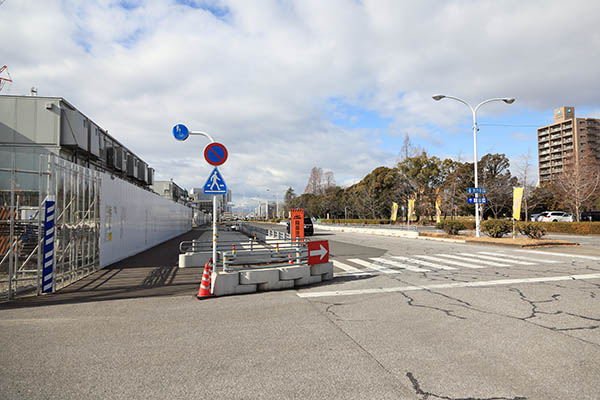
260,78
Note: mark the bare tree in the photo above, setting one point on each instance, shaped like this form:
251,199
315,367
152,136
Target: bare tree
328,181
314,185
579,183
408,150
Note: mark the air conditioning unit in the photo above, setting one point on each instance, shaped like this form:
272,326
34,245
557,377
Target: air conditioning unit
142,171
132,166
150,176
115,158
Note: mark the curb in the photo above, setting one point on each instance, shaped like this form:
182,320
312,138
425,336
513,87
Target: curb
441,239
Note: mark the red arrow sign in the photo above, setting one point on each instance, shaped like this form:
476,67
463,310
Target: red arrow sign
318,252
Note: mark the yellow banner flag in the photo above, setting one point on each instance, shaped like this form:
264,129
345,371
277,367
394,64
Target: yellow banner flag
394,211
411,208
438,210
517,198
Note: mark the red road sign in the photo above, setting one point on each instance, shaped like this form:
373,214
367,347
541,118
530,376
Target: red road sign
318,252
215,154
297,223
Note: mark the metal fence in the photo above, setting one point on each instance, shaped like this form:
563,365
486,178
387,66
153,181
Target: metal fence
29,183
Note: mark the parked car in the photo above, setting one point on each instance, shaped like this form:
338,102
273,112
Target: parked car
534,217
308,227
590,216
556,216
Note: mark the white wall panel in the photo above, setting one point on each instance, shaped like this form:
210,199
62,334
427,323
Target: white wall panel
133,220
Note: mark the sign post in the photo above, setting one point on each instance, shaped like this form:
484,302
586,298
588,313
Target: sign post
215,185
215,154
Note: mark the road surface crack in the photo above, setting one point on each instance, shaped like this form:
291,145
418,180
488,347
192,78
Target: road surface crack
428,395
448,313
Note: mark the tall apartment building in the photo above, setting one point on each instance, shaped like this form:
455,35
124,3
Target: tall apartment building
565,141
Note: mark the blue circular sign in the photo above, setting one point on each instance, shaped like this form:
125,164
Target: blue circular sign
215,154
181,132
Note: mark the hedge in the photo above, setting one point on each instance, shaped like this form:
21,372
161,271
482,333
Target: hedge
451,227
356,221
578,228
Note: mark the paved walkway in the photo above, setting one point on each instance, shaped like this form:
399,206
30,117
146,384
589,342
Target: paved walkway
151,273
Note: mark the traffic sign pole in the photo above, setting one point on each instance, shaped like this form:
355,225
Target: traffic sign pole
181,132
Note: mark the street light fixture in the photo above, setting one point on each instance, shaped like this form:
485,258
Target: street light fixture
507,100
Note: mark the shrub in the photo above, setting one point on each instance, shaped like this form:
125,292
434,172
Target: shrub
496,228
451,227
578,228
532,229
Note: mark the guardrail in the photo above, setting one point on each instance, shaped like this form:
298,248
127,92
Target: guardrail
263,247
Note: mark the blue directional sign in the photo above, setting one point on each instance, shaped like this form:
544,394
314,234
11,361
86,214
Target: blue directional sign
477,200
181,132
476,190
215,184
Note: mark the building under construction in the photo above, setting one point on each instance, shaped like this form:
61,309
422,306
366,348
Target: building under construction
73,198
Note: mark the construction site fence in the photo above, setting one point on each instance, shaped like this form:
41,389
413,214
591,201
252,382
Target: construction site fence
27,180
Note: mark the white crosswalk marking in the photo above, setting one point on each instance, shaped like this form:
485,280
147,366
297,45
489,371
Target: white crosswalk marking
502,257
443,261
399,265
452,262
547,253
424,263
509,257
374,266
483,262
349,269
495,259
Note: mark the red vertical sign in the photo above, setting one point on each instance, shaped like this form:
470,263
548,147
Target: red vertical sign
297,223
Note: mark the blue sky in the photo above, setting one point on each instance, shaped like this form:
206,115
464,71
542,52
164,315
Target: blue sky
290,85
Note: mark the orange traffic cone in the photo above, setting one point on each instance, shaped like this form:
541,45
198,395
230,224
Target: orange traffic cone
290,258
205,283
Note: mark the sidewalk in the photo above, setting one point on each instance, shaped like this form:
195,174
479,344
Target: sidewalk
151,273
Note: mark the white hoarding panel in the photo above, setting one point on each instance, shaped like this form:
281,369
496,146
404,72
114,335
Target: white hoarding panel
133,219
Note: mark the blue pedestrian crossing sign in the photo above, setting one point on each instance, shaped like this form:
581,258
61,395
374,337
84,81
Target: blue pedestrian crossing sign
215,184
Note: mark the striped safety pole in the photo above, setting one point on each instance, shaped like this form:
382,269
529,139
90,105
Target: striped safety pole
48,268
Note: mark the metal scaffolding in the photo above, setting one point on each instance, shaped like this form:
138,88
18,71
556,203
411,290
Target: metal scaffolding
24,190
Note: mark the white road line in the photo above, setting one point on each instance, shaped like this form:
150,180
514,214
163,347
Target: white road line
510,256
374,266
460,264
547,253
500,282
496,259
399,265
346,267
424,263
463,258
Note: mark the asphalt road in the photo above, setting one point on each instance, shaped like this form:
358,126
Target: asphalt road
494,323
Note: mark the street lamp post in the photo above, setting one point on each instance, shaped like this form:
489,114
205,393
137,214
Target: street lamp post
276,202
507,100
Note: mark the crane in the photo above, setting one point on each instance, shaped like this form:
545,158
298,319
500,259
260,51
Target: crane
2,79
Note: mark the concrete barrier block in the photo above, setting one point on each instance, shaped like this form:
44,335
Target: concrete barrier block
327,276
307,281
184,261
279,285
188,260
320,269
227,283
294,272
259,276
